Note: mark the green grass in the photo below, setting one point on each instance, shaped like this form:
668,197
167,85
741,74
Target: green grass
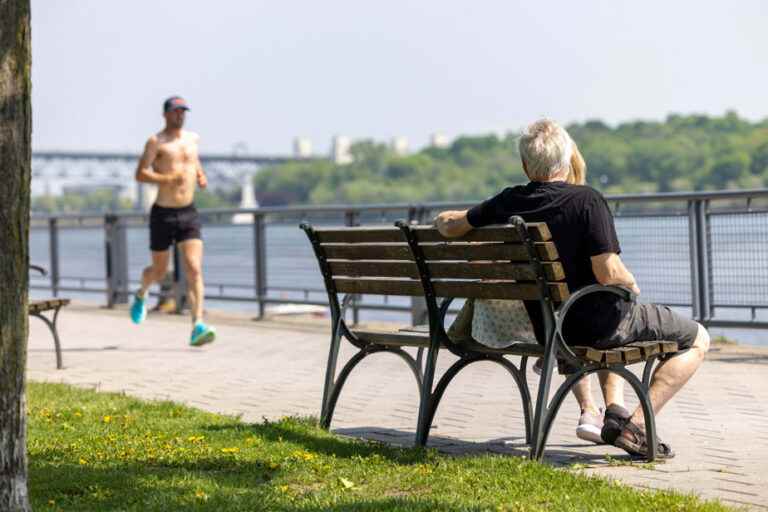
97,451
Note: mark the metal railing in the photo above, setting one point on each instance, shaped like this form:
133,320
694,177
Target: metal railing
707,252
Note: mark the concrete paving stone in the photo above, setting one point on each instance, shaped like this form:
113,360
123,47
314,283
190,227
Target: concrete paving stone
274,368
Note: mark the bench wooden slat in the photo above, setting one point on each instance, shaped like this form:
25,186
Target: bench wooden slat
537,230
612,356
487,251
38,306
458,270
632,353
460,289
648,348
437,252
379,286
368,252
498,290
391,337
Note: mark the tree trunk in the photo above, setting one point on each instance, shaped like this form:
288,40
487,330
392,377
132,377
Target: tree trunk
15,165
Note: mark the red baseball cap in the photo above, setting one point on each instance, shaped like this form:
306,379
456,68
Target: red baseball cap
175,103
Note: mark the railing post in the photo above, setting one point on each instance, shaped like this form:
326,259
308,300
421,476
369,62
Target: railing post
53,248
351,219
116,254
693,248
701,264
705,261
179,281
260,261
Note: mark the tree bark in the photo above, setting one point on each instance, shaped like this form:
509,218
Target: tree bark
15,165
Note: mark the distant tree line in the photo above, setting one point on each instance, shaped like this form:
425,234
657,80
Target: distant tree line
691,152
106,200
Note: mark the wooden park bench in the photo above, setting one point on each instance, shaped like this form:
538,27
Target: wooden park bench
514,262
36,308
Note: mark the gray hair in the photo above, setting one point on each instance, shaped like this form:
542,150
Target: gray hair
546,149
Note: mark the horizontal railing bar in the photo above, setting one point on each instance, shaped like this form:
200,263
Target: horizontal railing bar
736,324
740,306
334,208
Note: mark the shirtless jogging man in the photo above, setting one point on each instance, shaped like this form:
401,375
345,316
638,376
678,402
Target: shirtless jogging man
170,161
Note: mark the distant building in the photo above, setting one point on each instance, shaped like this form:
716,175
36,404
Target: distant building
400,145
302,147
340,150
439,140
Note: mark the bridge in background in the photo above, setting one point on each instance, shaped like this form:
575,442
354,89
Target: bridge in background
55,172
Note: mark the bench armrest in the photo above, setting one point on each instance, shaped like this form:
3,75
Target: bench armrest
562,312
38,268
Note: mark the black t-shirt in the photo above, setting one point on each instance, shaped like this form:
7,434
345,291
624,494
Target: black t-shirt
582,226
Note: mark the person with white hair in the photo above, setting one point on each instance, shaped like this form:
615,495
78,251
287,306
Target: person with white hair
583,230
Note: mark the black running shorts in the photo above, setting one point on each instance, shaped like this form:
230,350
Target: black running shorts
170,225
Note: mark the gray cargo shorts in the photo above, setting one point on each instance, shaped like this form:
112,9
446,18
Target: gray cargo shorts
646,322
650,322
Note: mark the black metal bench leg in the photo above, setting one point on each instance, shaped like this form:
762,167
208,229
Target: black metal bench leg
539,416
525,395
437,395
330,377
554,407
645,402
52,327
333,397
420,365
648,371
425,402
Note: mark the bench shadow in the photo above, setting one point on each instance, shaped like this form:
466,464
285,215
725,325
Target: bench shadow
557,454
397,445
340,446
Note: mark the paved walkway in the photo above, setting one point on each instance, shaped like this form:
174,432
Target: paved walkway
718,424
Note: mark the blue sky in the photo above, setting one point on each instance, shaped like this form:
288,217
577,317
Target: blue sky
261,72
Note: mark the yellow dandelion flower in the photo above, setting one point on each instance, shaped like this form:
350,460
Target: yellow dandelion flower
199,494
230,450
283,488
107,419
83,462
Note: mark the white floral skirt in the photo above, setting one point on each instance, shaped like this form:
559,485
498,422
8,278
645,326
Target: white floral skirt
500,323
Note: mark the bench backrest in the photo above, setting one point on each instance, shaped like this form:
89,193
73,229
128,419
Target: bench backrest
497,262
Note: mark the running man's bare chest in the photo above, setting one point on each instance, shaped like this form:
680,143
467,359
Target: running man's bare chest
176,152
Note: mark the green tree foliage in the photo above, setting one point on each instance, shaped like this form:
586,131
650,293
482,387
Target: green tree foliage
105,200
97,201
685,152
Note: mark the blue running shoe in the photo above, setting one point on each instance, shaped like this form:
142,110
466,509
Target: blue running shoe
202,334
138,310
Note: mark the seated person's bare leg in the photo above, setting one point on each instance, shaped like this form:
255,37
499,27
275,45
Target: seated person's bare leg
612,386
155,272
582,390
671,375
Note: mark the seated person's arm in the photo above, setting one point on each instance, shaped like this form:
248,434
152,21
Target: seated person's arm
453,224
610,270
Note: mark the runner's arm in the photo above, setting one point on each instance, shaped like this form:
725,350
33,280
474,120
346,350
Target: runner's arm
202,179
145,173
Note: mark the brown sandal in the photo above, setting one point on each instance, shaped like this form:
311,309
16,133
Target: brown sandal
639,447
